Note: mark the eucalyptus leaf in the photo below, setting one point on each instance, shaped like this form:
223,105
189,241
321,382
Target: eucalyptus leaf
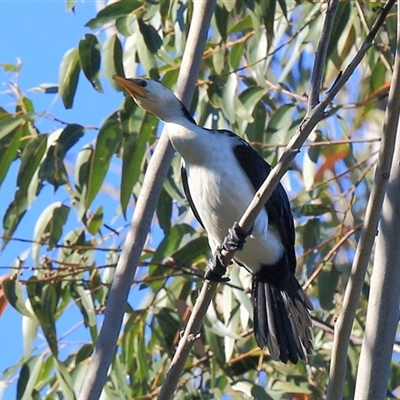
13,290
113,11
69,77
89,57
108,141
112,60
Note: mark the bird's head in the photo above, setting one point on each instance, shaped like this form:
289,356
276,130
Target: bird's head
154,97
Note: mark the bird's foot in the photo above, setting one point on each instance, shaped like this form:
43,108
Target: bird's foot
215,268
235,239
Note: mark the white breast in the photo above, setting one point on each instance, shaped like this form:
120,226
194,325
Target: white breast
221,192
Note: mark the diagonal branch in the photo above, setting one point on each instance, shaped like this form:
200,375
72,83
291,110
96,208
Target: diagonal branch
208,290
144,211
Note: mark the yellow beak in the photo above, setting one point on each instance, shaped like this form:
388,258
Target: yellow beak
131,86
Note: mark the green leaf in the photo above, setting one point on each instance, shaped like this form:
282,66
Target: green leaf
82,172
52,169
7,125
89,57
9,146
15,211
138,127
108,141
48,88
268,16
44,297
114,11
28,376
95,221
64,380
48,227
150,36
30,161
112,60
13,290
315,209
164,211
280,118
70,5
146,56
228,97
84,301
327,281
221,19
192,251
172,241
69,76
341,19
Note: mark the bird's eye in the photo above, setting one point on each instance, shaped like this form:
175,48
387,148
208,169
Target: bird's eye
140,82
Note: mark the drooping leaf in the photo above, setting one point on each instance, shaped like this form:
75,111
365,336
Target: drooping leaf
172,241
44,298
164,211
28,376
64,380
138,127
95,221
341,19
221,19
30,160
150,36
13,215
327,281
7,125
9,148
89,57
108,140
48,227
113,11
52,169
84,301
82,173
146,56
69,76
268,16
112,60
192,251
70,5
13,289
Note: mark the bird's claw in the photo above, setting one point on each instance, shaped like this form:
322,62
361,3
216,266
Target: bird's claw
216,269
235,239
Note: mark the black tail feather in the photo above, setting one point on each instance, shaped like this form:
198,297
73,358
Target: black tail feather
281,319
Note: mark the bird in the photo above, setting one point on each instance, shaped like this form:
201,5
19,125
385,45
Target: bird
220,174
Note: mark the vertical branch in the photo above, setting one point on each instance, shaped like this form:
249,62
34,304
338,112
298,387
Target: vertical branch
320,57
344,323
383,305
144,210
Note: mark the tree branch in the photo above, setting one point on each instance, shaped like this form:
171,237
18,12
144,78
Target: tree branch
383,305
344,323
145,206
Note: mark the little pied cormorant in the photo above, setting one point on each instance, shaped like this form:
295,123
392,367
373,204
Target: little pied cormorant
221,173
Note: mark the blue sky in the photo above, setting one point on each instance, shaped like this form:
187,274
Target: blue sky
39,33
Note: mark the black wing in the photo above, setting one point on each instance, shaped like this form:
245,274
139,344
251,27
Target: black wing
185,185
278,205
